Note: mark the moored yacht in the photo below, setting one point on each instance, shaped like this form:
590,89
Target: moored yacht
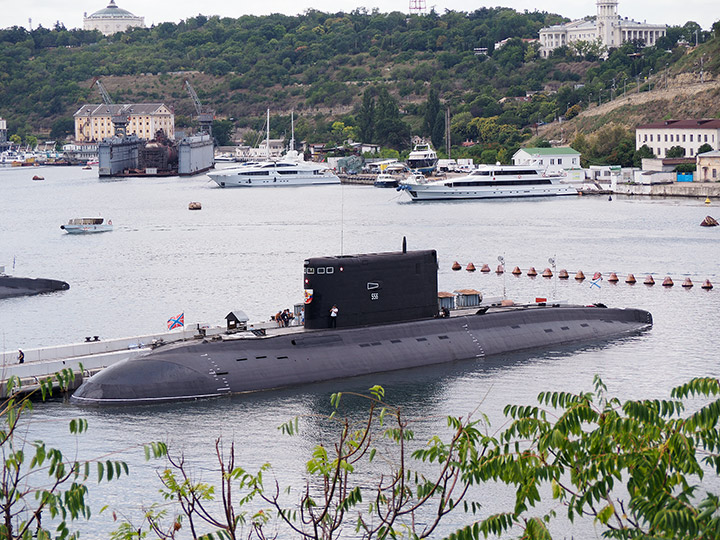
290,170
423,158
284,172
489,182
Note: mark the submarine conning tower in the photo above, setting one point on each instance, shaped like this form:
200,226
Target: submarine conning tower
370,289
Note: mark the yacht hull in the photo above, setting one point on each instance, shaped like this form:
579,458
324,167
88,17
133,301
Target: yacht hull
431,193
240,181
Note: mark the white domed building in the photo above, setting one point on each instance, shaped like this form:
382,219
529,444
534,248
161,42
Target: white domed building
112,19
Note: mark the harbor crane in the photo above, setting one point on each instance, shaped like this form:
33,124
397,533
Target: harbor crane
205,115
120,117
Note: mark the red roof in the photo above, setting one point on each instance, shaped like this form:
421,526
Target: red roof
704,123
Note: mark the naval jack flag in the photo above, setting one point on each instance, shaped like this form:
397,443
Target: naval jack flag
176,322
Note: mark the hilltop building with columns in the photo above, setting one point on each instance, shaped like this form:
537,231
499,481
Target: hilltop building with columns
608,28
112,19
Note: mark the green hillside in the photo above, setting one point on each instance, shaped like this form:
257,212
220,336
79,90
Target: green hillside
334,70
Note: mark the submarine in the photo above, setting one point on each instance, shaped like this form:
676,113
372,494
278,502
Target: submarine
388,319
11,286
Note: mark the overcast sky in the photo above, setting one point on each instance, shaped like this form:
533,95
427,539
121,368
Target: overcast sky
70,13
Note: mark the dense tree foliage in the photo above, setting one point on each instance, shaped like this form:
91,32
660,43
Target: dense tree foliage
321,64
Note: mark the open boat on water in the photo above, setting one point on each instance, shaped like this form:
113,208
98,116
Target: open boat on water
87,225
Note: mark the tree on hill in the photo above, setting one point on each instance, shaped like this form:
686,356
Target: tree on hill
390,130
366,116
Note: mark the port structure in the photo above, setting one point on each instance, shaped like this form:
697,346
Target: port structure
120,117
205,115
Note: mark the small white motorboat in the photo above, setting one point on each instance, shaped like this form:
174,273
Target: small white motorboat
87,225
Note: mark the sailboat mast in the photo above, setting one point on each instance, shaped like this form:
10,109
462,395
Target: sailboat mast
292,130
267,136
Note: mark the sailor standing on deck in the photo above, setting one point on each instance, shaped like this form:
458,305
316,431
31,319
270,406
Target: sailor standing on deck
333,316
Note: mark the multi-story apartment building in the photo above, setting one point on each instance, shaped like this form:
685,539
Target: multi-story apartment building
607,28
689,134
94,122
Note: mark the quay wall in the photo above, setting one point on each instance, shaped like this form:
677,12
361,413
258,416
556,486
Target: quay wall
680,189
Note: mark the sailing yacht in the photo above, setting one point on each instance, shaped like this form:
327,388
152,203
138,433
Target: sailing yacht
290,170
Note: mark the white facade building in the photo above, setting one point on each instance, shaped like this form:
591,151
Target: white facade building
607,28
553,160
560,158
3,130
112,19
690,134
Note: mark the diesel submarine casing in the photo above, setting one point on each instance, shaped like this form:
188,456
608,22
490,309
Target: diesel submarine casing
387,320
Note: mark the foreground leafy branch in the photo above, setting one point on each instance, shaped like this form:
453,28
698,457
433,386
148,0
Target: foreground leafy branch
635,467
38,482
331,502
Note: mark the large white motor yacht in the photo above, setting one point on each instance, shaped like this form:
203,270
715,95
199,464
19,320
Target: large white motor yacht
489,182
290,170
284,172
423,158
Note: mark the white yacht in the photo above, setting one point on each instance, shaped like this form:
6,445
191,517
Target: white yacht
87,225
489,182
289,170
423,158
275,174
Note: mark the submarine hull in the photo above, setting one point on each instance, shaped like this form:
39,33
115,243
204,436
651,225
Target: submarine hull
235,364
11,286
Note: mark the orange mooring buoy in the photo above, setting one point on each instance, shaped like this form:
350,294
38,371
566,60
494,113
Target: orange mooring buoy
517,271
687,283
667,282
630,279
456,266
470,267
485,268
580,276
532,272
547,273
707,285
649,280
563,274
613,278
500,269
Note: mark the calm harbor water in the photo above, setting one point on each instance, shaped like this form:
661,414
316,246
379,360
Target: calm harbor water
245,250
